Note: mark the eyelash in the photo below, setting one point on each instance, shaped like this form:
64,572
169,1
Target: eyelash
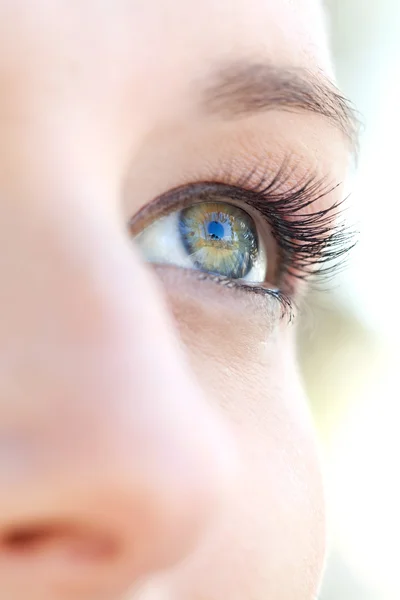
312,246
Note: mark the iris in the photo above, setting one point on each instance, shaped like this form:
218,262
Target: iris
220,238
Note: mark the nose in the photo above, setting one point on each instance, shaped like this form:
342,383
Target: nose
111,460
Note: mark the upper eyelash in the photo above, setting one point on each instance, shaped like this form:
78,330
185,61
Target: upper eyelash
312,244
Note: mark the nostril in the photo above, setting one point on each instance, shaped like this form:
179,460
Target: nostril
78,542
64,558
26,539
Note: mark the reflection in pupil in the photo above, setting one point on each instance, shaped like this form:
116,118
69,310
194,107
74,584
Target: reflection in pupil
216,230
219,238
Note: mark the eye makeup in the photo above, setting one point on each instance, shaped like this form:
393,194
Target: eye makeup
307,235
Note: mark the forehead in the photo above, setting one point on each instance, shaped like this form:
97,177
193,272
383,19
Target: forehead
153,39
117,71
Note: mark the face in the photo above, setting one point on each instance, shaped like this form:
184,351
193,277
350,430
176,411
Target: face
168,176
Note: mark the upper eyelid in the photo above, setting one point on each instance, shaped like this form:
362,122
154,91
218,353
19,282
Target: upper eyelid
183,195
237,153
254,191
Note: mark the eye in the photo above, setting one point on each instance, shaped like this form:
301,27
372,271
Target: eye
214,237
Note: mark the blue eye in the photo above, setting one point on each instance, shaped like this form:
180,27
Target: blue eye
219,238
213,237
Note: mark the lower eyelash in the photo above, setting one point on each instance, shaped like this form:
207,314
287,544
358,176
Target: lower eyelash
286,303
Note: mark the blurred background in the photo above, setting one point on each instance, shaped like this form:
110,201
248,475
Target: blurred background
350,349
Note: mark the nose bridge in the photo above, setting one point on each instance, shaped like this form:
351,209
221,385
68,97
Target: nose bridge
102,428
77,306
52,301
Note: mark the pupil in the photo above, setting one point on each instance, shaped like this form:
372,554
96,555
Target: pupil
216,230
219,238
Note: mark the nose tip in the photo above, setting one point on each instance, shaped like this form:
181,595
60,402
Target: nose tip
91,533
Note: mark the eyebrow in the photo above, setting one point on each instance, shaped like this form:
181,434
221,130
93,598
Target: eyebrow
240,89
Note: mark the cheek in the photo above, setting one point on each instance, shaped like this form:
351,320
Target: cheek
269,540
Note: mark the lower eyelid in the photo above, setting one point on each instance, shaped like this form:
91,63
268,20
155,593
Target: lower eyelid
286,303
232,295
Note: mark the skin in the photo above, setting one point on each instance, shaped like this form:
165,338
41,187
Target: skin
154,434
